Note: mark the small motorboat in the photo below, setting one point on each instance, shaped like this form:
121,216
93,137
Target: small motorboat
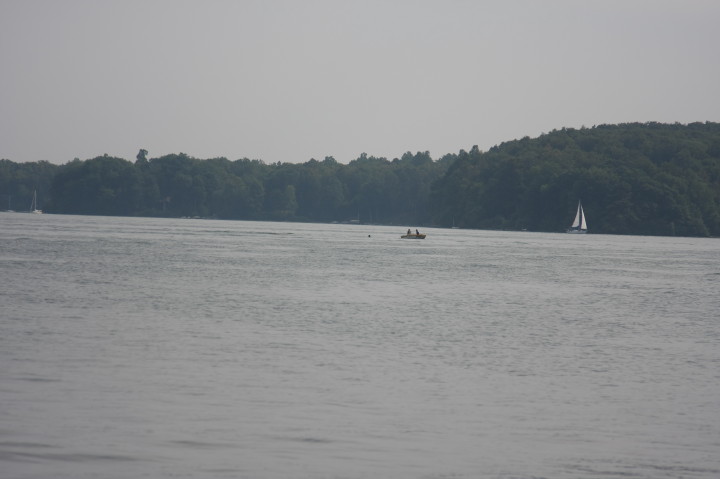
413,236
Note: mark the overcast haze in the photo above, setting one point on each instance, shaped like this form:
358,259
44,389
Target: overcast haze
293,80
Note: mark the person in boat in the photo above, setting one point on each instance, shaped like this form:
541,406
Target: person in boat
409,232
417,233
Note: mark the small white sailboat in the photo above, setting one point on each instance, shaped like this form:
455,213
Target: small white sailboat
579,225
33,205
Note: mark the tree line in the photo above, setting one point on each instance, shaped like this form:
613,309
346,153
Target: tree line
638,178
369,189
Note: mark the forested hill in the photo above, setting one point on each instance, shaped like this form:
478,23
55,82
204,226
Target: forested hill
650,178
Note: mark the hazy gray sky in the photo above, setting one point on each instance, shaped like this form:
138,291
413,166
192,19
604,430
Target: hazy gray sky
292,80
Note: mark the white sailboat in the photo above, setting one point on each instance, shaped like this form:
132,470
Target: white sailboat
33,205
579,225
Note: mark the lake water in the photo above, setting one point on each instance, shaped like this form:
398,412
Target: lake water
135,347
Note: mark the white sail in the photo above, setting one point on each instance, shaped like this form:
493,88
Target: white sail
583,223
579,225
578,217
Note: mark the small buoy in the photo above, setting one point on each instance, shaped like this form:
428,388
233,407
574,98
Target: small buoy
368,236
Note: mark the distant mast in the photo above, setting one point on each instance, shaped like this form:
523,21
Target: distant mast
33,205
